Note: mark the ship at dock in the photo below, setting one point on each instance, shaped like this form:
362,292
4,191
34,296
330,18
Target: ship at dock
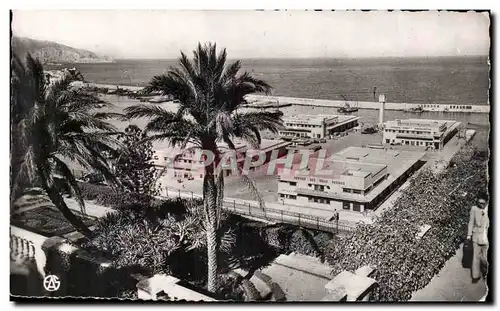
348,106
418,109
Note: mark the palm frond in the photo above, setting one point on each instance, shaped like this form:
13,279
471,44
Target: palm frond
147,111
63,169
262,120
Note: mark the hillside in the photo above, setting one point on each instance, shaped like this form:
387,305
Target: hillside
52,52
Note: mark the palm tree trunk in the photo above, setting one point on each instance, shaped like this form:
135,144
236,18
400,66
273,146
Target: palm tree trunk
58,201
212,283
210,207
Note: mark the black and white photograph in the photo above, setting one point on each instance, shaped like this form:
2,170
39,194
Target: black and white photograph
250,155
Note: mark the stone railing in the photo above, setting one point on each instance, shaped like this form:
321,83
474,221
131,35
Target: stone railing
165,287
27,246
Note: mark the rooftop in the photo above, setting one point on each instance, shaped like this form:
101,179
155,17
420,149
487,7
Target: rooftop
336,168
397,161
360,161
302,278
309,118
420,123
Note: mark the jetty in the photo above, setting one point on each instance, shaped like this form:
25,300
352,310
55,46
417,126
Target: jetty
256,101
452,108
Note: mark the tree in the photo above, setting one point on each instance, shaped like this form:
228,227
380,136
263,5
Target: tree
209,93
53,123
134,168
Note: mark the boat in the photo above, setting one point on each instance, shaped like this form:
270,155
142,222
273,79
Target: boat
418,109
347,108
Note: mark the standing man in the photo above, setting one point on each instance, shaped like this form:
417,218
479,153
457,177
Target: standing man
478,232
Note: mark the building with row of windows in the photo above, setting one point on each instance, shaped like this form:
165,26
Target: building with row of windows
420,132
188,164
316,126
355,179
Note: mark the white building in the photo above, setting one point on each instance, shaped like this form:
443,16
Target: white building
316,126
360,178
186,164
420,132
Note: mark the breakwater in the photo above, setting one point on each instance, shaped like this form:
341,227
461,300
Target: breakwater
282,101
370,105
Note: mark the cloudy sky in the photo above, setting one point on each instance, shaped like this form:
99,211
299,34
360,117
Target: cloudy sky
256,34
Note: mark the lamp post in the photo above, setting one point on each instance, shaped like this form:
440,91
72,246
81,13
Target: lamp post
337,222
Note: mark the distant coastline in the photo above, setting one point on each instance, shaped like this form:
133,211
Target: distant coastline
49,52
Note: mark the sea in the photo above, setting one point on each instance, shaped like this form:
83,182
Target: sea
441,80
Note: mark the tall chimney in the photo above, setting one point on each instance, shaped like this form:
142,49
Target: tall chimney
381,100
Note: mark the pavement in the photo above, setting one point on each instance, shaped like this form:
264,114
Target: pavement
452,283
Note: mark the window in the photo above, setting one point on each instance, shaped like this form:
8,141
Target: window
293,183
346,190
293,197
356,191
387,141
356,207
346,205
282,195
319,187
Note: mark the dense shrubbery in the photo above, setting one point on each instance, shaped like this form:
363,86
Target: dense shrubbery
404,263
168,237
287,239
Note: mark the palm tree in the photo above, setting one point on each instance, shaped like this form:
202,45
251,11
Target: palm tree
209,92
53,123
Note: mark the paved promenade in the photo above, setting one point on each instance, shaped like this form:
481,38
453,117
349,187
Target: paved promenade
452,283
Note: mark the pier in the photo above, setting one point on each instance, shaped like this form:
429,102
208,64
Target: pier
257,101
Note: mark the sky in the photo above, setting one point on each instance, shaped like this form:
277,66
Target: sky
261,34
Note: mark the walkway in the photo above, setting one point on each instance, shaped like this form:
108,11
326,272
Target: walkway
452,283
276,213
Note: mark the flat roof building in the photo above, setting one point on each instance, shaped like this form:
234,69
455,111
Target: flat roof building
316,126
353,179
420,132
